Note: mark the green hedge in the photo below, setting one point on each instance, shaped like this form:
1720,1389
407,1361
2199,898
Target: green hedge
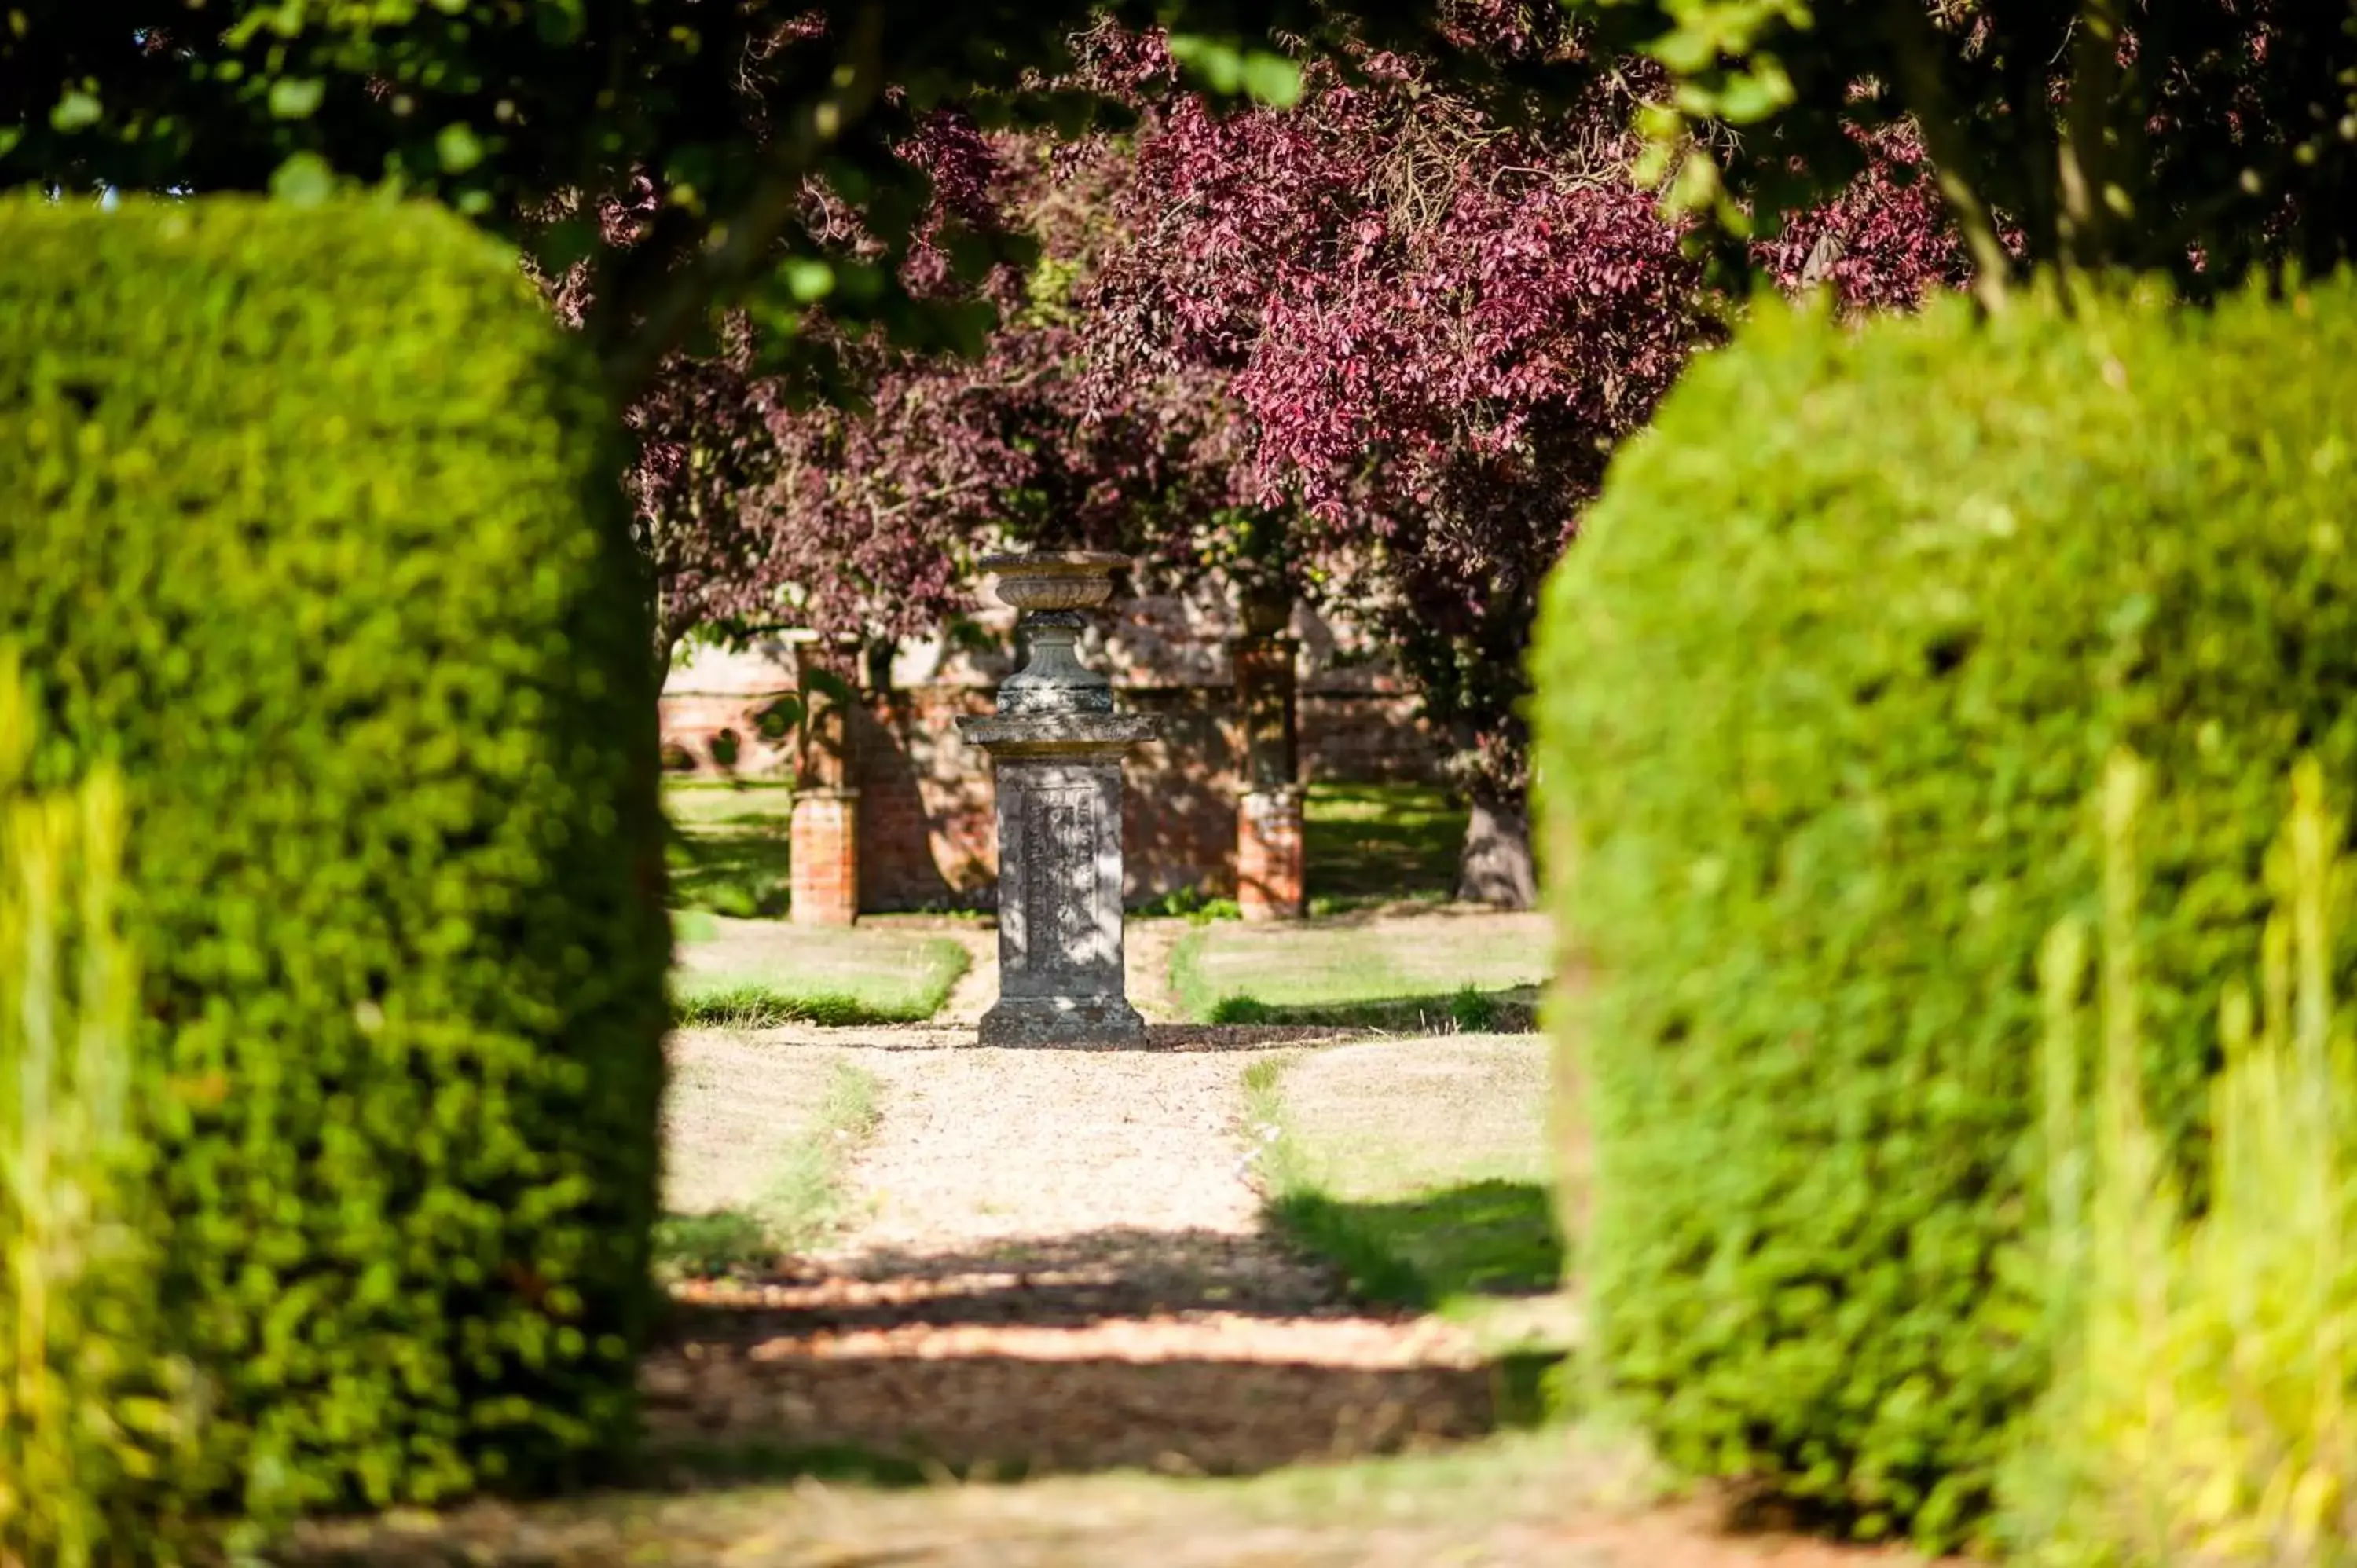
1824,693
307,524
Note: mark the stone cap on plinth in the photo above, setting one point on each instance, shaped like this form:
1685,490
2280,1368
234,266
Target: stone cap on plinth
1058,735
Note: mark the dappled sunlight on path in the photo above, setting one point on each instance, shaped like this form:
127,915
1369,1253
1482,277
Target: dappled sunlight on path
1060,1264
1057,1271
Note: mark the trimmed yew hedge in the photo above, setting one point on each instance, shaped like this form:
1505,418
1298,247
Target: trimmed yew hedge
1824,693
308,526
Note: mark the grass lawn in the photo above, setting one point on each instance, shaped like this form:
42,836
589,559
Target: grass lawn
1367,844
729,846
754,975
755,1147
1421,1168
1467,970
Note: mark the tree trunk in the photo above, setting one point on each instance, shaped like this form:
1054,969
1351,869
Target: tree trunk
1496,865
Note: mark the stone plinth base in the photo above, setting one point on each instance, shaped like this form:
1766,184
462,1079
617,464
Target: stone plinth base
826,848
1269,860
1062,1021
1061,979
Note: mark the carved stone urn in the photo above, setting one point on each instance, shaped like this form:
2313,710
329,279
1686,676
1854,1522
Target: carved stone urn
1056,747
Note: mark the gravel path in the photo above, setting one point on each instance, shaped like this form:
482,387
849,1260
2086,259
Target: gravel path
984,1145
1058,1261
1058,1266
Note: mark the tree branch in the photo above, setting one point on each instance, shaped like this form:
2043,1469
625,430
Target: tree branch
741,246
2086,163
1915,45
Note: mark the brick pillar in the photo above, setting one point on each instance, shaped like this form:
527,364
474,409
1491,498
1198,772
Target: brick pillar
825,858
825,847
1269,860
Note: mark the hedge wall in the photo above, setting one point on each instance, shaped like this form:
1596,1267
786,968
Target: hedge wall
307,523
1824,691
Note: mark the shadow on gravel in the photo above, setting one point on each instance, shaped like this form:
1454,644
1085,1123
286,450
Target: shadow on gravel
1183,1353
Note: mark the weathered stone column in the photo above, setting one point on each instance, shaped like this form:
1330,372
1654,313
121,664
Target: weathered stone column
1269,858
1055,749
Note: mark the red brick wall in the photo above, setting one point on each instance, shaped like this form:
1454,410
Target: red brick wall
1365,737
926,806
1179,805
925,802
926,834
691,720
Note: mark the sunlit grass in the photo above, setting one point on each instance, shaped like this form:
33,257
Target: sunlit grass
1368,843
801,1203
1473,972
749,975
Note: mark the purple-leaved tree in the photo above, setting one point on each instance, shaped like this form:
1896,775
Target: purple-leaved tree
1376,349
1436,322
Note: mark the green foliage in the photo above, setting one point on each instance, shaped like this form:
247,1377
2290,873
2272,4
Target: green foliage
1825,689
523,116
1473,1009
754,1004
97,1416
1218,63
310,530
724,1243
743,871
2201,1411
693,925
1192,904
2202,139
1482,1236
1454,1245
1238,1011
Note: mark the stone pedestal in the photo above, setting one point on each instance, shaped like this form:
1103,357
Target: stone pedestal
825,879
1055,749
